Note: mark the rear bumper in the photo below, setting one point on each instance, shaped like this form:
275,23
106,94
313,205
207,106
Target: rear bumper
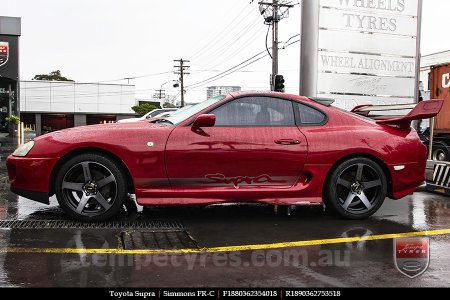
406,181
30,177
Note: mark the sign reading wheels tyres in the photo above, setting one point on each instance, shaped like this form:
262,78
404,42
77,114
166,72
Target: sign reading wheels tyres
361,51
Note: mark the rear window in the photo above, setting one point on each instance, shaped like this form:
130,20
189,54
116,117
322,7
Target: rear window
310,116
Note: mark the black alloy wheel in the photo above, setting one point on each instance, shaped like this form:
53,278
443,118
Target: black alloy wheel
90,187
356,188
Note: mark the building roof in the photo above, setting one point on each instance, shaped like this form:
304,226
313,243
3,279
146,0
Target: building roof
435,59
10,26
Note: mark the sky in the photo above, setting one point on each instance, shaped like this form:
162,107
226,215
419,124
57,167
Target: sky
108,40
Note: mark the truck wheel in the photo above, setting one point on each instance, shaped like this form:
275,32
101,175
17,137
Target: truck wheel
440,152
356,188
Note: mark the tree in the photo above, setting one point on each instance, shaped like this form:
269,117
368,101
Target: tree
169,105
143,108
53,76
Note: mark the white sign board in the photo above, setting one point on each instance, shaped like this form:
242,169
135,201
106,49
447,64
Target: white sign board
367,51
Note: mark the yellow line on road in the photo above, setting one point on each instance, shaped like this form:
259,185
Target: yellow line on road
225,248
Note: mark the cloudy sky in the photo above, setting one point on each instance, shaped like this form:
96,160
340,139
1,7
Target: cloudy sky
108,40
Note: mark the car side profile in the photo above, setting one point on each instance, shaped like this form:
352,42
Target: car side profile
261,147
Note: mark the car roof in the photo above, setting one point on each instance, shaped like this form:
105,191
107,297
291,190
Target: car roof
273,94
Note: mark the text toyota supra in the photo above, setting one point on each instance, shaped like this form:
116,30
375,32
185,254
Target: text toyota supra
245,147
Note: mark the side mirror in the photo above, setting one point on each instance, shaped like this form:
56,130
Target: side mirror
204,121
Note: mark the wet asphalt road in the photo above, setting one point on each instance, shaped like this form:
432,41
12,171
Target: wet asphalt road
342,264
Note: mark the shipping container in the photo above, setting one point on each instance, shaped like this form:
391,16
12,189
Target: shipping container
440,89
438,140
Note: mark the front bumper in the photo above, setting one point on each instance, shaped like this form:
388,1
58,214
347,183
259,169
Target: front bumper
30,177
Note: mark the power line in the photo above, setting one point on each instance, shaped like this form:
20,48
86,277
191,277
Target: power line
224,75
223,33
95,82
254,56
232,69
217,70
239,49
267,46
227,44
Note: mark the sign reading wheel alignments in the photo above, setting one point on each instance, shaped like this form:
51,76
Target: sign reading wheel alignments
361,51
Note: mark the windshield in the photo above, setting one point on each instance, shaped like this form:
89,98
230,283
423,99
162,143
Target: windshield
182,115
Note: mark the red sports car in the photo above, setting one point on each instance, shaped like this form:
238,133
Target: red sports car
244,147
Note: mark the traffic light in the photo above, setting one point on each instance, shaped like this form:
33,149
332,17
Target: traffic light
279,84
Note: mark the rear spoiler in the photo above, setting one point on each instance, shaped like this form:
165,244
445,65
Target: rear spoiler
424,110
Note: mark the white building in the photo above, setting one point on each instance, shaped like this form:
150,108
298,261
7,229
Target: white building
54,105
221,90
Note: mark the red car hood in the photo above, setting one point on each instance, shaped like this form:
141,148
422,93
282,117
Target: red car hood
83,132
115,138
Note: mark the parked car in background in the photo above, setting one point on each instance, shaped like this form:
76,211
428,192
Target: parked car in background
167,114
149,115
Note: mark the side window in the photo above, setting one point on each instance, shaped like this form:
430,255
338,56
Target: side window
310,116
255,111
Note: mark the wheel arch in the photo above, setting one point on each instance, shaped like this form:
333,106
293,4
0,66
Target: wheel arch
93,150
363,155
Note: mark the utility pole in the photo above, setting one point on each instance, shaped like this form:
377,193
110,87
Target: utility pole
273,12
181,70
275,39
160,93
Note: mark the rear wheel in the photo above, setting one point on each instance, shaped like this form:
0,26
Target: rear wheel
356,188
90,187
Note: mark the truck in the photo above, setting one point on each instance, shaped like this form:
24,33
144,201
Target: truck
437,139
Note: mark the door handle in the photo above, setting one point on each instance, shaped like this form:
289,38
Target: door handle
287,142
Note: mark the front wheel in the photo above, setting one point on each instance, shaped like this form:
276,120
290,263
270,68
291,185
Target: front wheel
90,187
356,188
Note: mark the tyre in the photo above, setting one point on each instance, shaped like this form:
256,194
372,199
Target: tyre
90,187
356,188
440,152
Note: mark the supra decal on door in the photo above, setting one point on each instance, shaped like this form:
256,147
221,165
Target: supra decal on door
243,180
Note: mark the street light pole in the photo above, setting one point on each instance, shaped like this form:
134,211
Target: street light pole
161,91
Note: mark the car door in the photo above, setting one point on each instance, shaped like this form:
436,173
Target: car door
255,146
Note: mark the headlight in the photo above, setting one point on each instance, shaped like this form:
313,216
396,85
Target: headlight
23,150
